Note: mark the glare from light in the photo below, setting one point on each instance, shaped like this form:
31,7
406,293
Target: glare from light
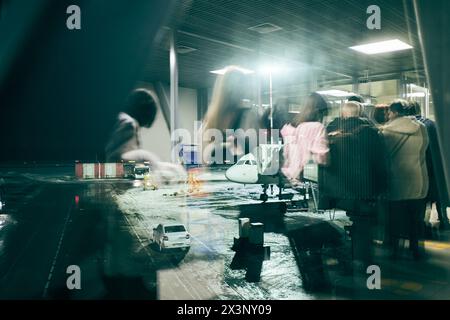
137,183
334,93
382,47
243,70
271,69
3,220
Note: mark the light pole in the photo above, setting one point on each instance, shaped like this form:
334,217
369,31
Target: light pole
270,70
271,106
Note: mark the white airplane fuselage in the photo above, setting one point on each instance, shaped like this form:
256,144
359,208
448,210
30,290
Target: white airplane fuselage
245,171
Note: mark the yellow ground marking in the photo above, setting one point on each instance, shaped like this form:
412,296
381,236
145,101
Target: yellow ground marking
401,287
412,286
437,245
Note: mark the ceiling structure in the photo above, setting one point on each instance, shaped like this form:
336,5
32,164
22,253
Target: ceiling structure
311,38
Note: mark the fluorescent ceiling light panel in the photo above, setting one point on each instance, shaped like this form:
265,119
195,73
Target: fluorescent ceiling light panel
181,49
382,47
265,28
222,71
334,93
415,95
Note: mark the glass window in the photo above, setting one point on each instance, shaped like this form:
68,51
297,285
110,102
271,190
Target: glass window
171,229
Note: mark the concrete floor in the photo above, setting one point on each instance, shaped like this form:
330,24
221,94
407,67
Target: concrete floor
105,227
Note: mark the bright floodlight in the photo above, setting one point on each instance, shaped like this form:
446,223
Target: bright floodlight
271,68
382,47
334,93
243,70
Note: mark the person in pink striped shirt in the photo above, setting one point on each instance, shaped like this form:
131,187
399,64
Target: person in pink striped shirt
307,141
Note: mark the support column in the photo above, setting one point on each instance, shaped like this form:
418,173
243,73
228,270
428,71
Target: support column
173,94
355,84
402,89
202,103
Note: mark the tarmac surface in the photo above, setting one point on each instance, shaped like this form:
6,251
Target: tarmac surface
52,221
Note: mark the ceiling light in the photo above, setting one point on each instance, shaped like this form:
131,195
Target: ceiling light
416,95
182,49
382,47
265,28
334,93
243,70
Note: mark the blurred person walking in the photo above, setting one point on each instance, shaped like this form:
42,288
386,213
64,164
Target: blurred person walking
305,139
281,117
229,109
355,177
406,141
125,143
437,193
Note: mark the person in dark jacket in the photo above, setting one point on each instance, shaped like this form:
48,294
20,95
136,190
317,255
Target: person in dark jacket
380,114
356,175
356,98
437,192
281,117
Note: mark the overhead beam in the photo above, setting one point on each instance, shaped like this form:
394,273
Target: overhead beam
247,49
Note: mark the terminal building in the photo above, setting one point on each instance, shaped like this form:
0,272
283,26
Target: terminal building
215,150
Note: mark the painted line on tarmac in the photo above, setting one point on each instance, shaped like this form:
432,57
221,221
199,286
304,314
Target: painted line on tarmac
209,249
141,242
55,259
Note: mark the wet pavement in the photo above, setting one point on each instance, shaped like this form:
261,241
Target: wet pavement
105,227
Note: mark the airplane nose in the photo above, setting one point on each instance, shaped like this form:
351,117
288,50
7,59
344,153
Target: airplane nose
235,174
242,174
229,173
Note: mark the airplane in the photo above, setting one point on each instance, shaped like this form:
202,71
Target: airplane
249,171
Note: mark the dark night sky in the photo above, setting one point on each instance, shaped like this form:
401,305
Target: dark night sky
64,88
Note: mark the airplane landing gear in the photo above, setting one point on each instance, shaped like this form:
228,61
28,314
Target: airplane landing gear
264,197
